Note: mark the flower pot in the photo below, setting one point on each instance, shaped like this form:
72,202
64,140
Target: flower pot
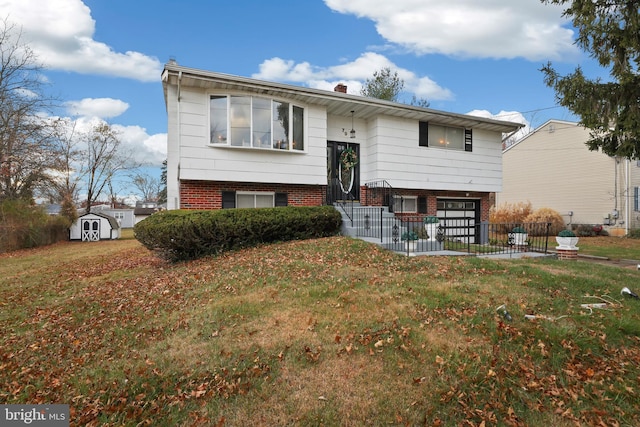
432,230
567,242
518,239
411,245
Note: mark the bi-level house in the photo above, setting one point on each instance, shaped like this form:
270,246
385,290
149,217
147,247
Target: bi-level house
239,142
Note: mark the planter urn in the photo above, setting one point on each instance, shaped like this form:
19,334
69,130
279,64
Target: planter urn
567,242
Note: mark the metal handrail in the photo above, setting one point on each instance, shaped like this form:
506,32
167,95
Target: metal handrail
383,187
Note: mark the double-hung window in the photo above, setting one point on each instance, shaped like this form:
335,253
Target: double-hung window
405,204
445,137
251,121
255,200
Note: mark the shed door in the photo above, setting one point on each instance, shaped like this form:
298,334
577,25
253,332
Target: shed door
90,230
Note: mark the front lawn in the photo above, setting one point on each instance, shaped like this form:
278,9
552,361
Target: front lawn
330,331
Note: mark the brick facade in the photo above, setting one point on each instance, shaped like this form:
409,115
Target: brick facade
371,197
567,254
208,194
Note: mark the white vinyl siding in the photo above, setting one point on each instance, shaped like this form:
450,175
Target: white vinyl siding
200,160
393,152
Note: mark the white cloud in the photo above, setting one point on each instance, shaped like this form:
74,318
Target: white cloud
507,116
353,74
146,149
97,107
61,32
468,28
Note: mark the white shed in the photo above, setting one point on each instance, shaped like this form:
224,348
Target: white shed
92,227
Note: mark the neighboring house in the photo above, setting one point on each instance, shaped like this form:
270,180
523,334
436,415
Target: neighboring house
124,216
91,227
53,208
552,167
241,142
144,210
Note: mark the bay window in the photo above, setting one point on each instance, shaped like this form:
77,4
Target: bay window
250,121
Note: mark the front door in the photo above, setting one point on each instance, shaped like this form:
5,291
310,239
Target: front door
342,184
90,230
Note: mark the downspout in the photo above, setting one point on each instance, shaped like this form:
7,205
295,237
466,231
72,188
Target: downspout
616,162
179,129
627,201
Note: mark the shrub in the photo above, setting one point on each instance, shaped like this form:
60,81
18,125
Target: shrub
518,230
510,212
409,235
430,219
590,230
566,233
634,233
23,225
188,234
545,215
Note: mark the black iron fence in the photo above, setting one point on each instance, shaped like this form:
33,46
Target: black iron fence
409,233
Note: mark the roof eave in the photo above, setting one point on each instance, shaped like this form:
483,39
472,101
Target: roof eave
336,103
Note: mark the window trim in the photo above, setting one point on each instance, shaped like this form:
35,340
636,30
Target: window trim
255,194
423,136
229,198
402,198
251,146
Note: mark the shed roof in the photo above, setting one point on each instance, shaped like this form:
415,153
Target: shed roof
112,221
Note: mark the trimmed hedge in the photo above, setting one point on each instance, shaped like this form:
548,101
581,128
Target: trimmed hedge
189,234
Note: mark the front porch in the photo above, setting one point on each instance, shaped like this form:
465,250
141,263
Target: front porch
450,236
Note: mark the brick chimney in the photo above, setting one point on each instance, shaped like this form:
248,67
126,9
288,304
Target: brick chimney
340,88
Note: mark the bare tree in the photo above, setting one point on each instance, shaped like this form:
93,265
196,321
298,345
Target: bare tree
101,161
27,152
65,182
148,186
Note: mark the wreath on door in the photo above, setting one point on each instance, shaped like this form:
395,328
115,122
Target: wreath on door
347,163
348,159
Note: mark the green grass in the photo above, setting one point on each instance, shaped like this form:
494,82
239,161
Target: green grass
616,248
330,331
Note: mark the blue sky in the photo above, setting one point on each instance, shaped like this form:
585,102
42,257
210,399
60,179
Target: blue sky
104,57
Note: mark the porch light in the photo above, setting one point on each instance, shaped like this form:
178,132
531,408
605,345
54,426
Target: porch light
353,131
